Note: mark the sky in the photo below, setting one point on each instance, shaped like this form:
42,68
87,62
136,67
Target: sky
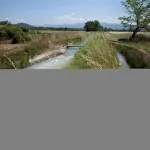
41,12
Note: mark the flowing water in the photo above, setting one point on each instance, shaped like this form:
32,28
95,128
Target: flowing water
57,62
122,61
61,61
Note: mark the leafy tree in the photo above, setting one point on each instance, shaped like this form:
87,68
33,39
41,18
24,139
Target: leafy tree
18,38
139,15
93,26
5,23
25,29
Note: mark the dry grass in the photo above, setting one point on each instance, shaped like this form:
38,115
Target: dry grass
11,48
61,32
51,39
97,54
17,55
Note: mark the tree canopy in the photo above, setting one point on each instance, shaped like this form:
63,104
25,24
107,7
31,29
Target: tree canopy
5,23
93,26
138,15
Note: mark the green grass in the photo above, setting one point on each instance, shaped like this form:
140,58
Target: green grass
16,60
97,54
135,55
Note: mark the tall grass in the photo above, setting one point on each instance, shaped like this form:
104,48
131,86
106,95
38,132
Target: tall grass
97,54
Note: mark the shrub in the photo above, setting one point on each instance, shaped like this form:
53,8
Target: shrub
14,33
25,29
3,35
21,37
18,38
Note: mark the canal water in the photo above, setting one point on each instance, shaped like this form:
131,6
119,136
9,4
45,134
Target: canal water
58,62
61,61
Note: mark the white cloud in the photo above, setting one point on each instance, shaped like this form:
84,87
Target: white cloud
7,18
21,21
70,19
110,19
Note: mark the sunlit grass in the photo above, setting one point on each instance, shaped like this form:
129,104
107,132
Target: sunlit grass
97,54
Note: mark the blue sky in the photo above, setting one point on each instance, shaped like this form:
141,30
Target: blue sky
41,12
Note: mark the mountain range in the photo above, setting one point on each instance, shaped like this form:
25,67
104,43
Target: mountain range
81,25
78,25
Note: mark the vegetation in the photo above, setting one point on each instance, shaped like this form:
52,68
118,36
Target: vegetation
97,54
136,57
139,15
14,33
93,26
16,60
137,54
5,23
17,56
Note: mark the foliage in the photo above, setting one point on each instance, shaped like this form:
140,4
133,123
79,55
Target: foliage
20,60
93,26
25,29
139,15
5,23
136,58
36,48
97,54
14,33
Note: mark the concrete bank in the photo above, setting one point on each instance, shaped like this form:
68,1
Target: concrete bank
49,54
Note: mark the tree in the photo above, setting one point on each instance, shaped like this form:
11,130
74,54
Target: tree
93,26
5,23
139,15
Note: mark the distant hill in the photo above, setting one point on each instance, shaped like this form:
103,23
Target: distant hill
112,25
24,25
81,25
78,25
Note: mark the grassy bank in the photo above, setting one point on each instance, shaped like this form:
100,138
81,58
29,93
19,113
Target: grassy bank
97,54
18,55
137,54
136,57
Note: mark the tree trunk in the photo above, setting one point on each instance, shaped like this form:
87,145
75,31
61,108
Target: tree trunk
134,33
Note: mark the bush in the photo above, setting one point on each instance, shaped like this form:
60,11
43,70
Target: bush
26,30
14,33
27,37
21,37
3,35
18,38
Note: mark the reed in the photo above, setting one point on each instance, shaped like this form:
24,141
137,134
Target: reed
97,54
